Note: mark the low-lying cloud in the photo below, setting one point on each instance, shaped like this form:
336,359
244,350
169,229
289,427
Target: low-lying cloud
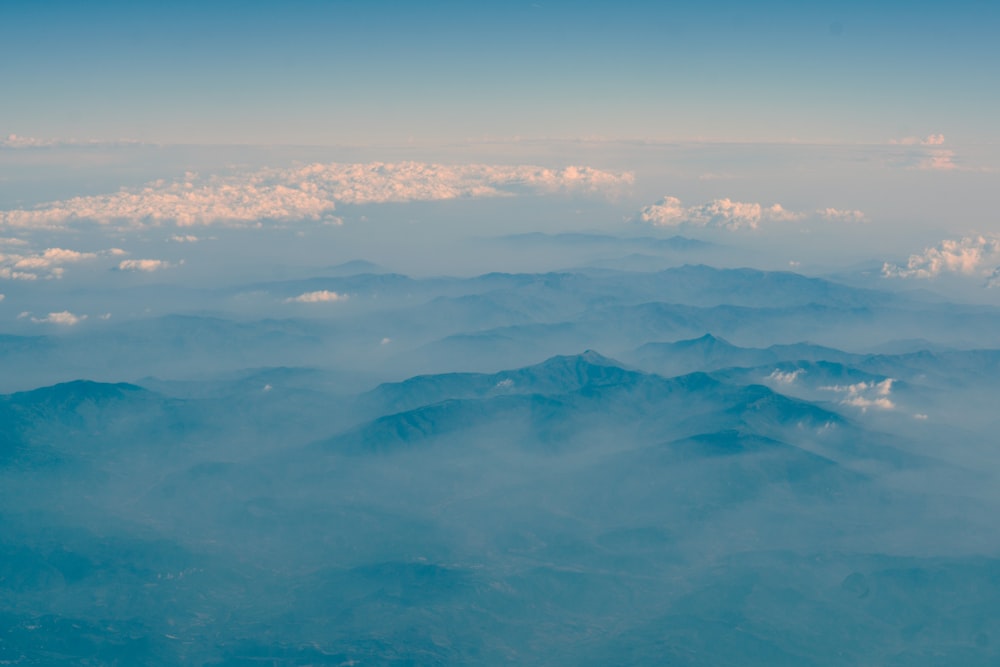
777,375
732,215
306,193
62,318
970,255
321,296
866,395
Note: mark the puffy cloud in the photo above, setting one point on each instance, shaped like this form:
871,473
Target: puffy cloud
310,192
321,296
785,378
46,264
721,213
52,257
839,215
729,214
866,395
966,256
2,297
62,318
144,265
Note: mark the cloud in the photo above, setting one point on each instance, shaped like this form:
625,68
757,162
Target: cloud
866,395
929,140
966,256
994,278
938,160
785,378
185,238
322,296
62,318
144,265
46,264
926,154
14,141
310,192
838,215
719,213
2,297
731,215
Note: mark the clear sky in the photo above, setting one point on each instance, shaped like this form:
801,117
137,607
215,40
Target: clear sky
311,72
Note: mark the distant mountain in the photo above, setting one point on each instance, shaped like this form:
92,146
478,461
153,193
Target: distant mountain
673,243
572,399
355,267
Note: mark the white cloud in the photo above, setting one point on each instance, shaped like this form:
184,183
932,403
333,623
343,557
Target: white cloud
729,214
321,296
2,297
967,255
866,395
185,238
839,215
785,378
144,265
8,240
62,318
310,192
46,264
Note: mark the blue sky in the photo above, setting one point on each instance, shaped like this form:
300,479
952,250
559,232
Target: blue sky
376,72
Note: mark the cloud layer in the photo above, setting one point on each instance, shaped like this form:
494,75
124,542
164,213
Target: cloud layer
970,255
310,192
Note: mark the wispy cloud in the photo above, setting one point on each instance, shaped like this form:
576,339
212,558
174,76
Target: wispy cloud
14,141
777,375
970,255
929,140
839,215
321,296
310,192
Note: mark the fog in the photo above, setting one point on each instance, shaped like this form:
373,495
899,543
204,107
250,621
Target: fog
525,426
